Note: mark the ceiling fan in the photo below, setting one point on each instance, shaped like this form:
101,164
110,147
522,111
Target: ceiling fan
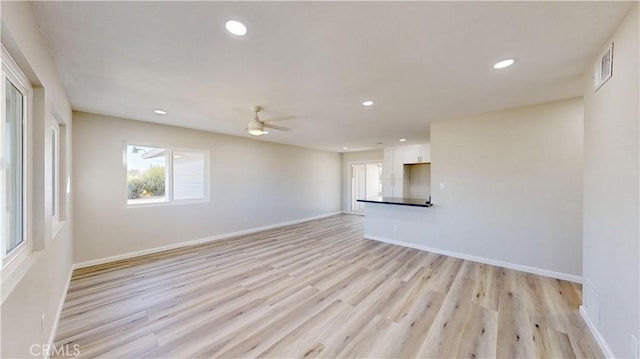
257,127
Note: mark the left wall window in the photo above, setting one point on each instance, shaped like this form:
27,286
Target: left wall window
13,159
55,171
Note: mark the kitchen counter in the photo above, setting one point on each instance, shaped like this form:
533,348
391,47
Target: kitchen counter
414,202
403,221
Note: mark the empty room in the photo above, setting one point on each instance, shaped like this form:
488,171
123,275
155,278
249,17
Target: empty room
332,179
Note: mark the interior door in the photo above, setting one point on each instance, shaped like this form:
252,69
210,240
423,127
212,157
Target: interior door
359,187
366,183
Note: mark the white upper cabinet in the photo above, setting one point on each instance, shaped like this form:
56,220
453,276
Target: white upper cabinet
416,154
411,154
424,153
393,170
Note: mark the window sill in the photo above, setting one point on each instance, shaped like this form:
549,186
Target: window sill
56,227
13,272
166,204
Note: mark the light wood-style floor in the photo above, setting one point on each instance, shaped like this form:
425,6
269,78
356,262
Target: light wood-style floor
318,289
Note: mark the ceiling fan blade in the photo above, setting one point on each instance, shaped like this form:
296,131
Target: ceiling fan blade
268,125
283,118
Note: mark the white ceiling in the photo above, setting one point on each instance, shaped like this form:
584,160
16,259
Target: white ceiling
419,61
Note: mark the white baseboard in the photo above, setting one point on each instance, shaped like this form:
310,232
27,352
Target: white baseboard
56,320
355,213
596,334
495,262
196,241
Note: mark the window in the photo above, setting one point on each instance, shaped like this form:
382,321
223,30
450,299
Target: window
57,158
13,159
188,175
146,174
160,175
55,172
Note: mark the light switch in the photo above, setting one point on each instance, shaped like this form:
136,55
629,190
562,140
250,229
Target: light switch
443,186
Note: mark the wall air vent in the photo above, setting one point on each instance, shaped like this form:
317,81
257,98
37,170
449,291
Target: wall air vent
603,69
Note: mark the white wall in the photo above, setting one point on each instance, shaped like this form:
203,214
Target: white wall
252,184
347,158
513,190
37,286
513,185
611,204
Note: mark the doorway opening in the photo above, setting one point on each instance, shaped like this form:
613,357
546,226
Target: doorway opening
366,183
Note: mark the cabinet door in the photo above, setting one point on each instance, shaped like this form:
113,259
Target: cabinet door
397,189
398,164
425,153
387,163
387,187
410,154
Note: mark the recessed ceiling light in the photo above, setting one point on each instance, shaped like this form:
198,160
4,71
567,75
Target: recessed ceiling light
345,148
236,27
160,112
504,63
403,140
367,103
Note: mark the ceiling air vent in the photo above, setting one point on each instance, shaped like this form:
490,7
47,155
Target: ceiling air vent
603,68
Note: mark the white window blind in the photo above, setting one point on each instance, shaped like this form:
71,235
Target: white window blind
188,175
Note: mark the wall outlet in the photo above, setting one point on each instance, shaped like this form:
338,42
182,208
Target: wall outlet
396,228
443,186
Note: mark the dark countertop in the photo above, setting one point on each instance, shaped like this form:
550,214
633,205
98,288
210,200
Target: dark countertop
415,202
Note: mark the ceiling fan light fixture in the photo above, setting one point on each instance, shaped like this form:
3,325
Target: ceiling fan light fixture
255,128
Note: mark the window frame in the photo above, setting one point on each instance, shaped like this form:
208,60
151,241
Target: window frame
60,174
55,172
169,176
12,72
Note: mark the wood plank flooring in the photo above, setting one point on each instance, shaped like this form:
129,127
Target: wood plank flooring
318,289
